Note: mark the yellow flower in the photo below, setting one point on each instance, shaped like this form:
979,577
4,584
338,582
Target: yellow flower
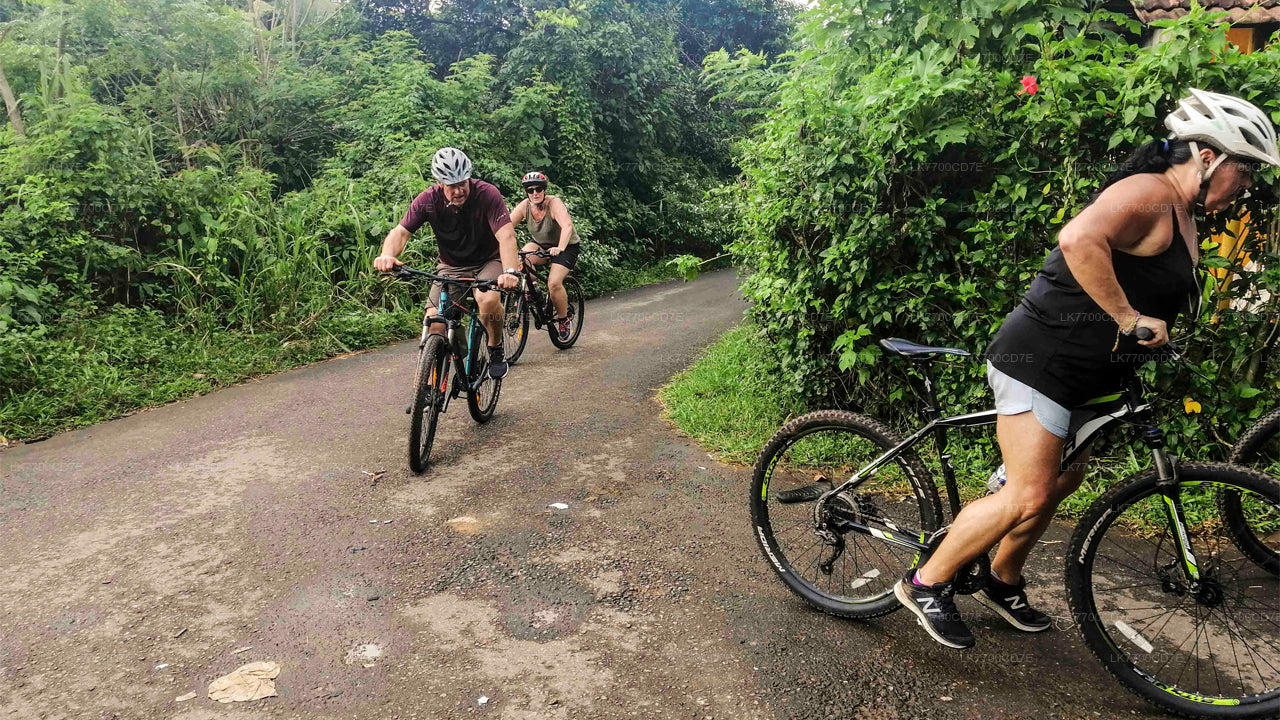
1191,406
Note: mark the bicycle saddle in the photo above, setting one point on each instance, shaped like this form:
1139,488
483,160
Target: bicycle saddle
906,348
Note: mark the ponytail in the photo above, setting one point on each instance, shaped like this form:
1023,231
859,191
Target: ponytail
1154,157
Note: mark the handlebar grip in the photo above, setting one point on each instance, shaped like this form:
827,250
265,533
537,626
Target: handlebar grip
1144,333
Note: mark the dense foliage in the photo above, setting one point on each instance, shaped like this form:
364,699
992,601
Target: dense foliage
194,167
903,183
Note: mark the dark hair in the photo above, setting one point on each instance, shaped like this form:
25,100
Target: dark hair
1154,157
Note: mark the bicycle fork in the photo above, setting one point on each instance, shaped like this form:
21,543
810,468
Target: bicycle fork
1167,467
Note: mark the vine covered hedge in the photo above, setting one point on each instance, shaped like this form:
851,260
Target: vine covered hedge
905,181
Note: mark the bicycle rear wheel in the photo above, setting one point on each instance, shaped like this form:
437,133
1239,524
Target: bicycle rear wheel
482,390
815,453
577,309
515,325
1258,448
1206,648
428,397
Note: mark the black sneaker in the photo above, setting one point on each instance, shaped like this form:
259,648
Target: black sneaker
497,363
935,610
1010,601
563,329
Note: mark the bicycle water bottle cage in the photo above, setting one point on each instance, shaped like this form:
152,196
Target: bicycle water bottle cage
915,351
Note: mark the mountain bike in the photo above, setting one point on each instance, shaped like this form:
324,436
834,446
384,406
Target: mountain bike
533,302
843,508
469,351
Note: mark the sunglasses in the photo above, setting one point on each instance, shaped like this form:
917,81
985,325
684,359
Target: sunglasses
532,190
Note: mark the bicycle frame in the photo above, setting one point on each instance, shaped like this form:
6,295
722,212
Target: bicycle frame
1087,422
458,346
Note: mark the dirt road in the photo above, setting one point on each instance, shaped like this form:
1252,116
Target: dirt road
141,557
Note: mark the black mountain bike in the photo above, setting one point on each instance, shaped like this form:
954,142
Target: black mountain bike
534,302
469,351
843,508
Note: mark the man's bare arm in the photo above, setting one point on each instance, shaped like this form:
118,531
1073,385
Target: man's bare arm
392,246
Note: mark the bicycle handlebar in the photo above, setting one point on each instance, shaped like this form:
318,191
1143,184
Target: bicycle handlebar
535,253
403,272
1144,333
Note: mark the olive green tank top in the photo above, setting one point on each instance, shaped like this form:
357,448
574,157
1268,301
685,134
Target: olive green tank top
546,232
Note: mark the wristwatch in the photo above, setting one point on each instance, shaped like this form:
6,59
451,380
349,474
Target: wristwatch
511,271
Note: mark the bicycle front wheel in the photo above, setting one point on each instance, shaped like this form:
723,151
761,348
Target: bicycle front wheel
515,325
482,390
813,453
1206,646
1258,448
577,309
428,398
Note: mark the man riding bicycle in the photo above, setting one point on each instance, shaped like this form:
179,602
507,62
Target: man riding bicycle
475,238
552,230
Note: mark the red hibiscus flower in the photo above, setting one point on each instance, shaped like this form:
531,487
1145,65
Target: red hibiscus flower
1029,85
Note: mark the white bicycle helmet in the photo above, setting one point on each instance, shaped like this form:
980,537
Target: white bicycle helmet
1234,126
450,165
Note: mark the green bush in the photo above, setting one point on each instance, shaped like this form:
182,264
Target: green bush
223,174
900,184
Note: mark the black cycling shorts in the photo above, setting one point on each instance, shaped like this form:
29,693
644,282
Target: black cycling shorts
567,258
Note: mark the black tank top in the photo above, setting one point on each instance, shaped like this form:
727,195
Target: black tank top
1059,341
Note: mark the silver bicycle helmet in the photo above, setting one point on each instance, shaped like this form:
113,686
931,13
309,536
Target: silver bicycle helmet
1233,126
450,165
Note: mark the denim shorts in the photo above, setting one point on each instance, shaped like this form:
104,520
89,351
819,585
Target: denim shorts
1014,398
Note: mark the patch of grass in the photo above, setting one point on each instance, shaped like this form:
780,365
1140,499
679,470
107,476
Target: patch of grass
60,377
125,359
629,275
727,400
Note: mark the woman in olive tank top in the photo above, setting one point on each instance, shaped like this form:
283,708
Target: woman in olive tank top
1126,261
548,222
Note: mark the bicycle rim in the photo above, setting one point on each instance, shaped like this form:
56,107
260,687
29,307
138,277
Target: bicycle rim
1259,448
515,326
1206,648
897,500
577,309
427,400
482,390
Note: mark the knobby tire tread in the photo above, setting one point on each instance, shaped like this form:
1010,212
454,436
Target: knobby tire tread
1117,497
870,428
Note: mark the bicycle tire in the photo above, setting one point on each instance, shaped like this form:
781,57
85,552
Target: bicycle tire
1260,445
1092,534
515,325
577,309
483,397
427,399
880,439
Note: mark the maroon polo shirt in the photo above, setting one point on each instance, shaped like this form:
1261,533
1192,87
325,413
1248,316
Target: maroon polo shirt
466,235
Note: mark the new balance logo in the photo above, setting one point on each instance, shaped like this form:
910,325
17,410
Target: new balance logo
1016,603
930,605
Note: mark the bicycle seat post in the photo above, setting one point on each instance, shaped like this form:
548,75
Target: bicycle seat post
931,412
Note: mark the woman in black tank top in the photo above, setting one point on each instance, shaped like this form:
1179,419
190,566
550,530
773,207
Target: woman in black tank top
1062,343
1127,261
